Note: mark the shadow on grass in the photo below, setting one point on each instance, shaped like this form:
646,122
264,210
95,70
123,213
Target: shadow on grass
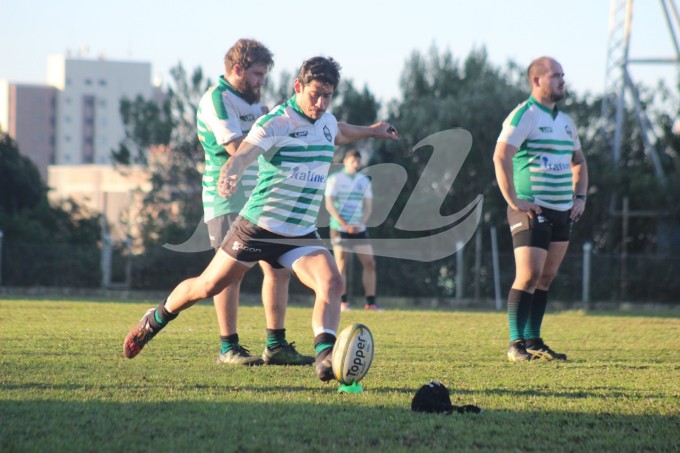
340,425
597,392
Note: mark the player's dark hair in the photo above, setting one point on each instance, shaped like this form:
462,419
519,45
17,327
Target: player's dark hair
352,153
321,69
246,53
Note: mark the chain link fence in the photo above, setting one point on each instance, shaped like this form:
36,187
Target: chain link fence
639,278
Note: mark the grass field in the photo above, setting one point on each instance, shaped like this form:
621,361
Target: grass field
65,386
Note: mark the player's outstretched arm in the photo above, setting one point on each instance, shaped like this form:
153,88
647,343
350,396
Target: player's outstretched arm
231,171
348,133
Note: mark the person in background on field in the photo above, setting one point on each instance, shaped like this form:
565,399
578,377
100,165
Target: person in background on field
542,174
349,198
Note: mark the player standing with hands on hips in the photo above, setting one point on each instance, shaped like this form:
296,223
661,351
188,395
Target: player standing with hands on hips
542,174
294,145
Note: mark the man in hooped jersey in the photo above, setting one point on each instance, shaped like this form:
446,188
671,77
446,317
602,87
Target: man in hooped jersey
349,200
542,174
294,145
224,116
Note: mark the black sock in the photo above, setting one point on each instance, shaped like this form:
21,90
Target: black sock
343,298
532,329
323,343
519,307
370,300
162,316
276,337
228,342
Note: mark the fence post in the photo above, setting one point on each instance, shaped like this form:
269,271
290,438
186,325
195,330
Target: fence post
1,235
460,277
587,250
478,263
496,269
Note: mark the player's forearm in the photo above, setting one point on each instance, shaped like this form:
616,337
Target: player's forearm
368,208
579,169
580,172
235,166
351,133
333,212
232,146
505,184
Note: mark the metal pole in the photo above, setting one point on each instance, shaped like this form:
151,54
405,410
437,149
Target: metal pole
460,279
1,235
624,248
496,269
349,273
587,249
478,262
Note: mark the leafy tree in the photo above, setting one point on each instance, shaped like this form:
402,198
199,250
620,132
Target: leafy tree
40,237
20,185
353,106
161,137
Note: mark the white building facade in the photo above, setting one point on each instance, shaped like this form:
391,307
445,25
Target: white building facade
88,121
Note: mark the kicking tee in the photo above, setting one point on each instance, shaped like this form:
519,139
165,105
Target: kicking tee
546,140
222,116
292,171
349,193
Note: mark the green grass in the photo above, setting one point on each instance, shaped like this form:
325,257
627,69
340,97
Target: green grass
65,386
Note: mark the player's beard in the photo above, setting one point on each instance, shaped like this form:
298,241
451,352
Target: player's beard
250,93
557,96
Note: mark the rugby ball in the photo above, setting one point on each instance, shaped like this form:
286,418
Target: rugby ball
352,354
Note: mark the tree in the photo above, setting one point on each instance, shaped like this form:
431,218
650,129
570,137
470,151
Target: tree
20,185
40,237
354,107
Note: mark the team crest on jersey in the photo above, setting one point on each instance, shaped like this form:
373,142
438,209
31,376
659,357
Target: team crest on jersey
545,130
298,134
327,133
248,117
567,130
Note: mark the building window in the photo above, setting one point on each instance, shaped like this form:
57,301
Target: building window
88,81
102,82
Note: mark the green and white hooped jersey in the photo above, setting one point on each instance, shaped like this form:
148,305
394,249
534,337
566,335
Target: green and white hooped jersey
545,140
349,193
293,169
222,116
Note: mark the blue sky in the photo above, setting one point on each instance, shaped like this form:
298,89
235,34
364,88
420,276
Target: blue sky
371,40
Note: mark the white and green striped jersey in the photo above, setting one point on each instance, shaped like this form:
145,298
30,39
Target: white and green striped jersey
222,116
545,140
293,169
349,192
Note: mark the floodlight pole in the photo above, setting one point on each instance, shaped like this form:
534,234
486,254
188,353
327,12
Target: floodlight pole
618,81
